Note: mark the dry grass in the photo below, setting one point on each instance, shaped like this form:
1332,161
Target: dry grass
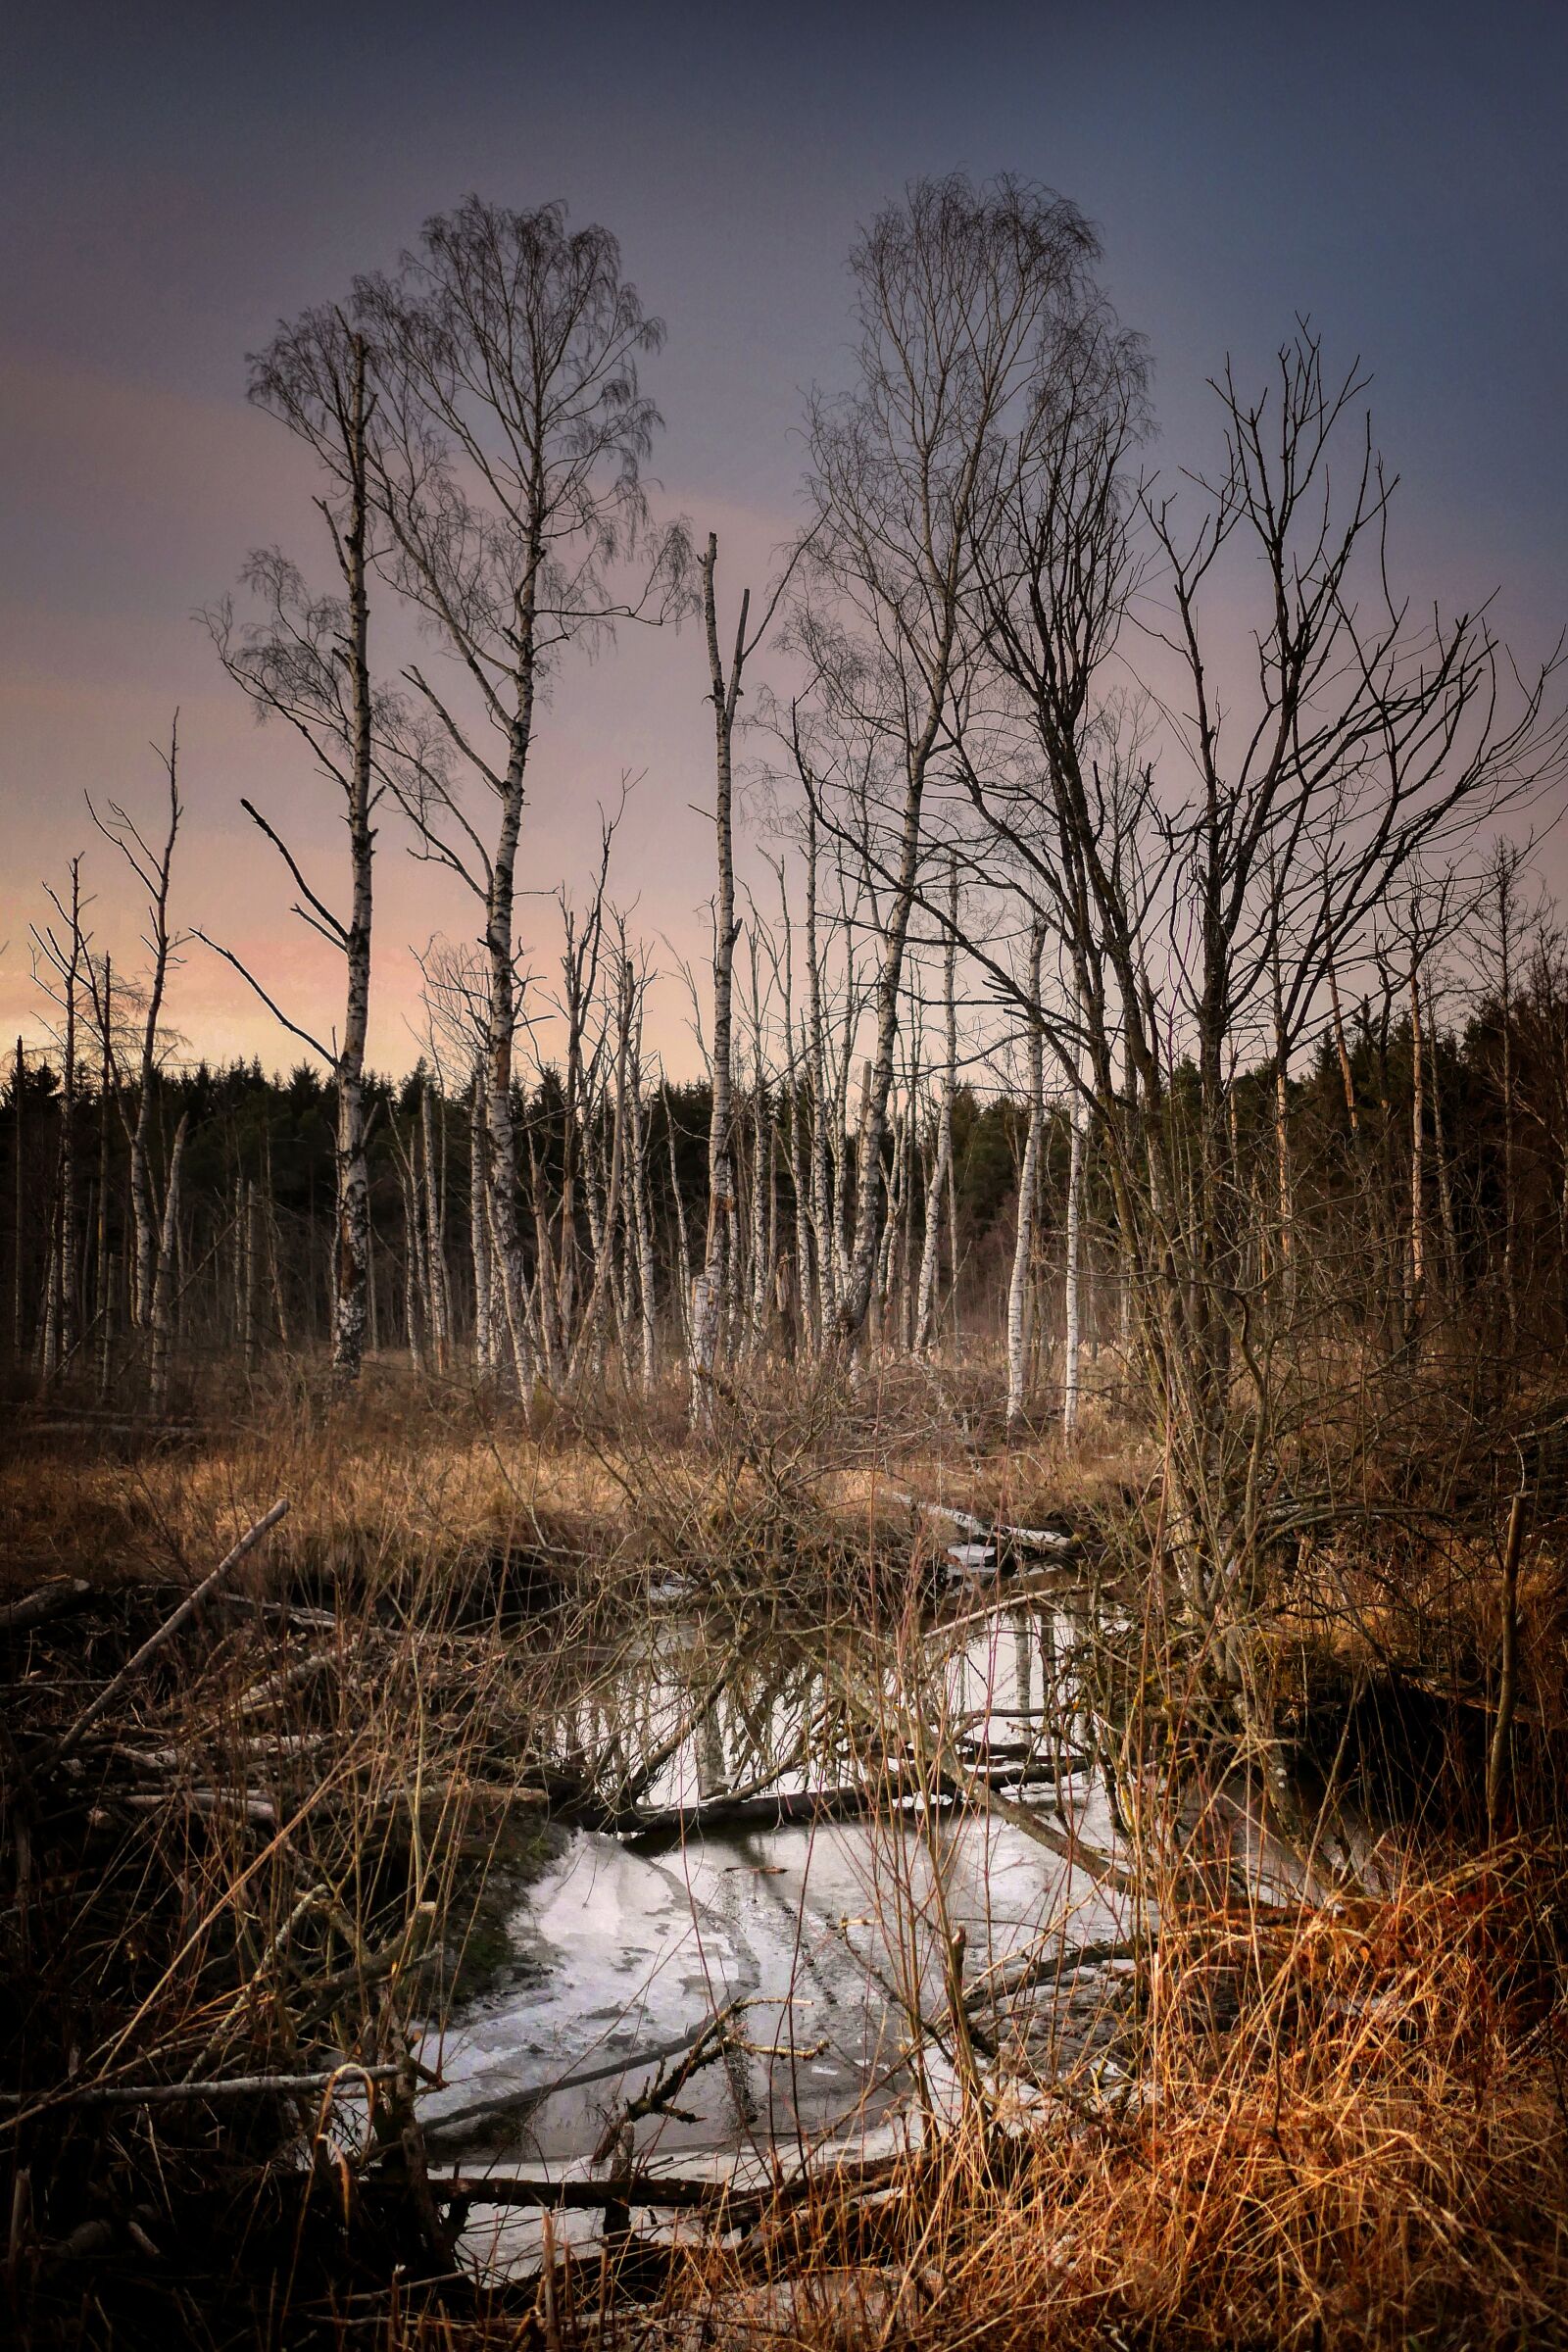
1346,2124
1372,2152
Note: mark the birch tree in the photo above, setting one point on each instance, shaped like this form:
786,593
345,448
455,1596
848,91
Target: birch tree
507,463
1020,1288
307,663
152,864
960,292
925,1318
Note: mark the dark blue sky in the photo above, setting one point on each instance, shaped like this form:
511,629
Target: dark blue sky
176,177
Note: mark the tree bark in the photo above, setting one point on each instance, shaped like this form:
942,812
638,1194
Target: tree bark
925,1319
1019,1289
712,1297
353,1258
163,1281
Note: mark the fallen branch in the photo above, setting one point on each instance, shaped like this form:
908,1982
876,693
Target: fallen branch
229,2087
265,1748
669,2190
286,1612
244,1804
850,1802
524,2099
653,1765
273,1687
1050,1963
989,1531
658,2096
36,1608
165,1632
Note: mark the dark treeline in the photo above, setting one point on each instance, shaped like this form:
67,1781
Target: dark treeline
1412,1201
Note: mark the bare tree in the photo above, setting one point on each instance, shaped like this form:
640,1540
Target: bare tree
1019,1290
61,960
307,661
925,1319
1369,743
962,294
152,865
507,461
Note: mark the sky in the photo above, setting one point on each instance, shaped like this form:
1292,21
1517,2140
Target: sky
176,179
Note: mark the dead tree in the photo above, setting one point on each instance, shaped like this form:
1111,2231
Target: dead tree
435,1236
1502,949
479,1227
712,1297
710,1303
153,867
61,959
104,1285
959,290
822,1228
641,1201
507,463
19,1288
1073,1271
165,1282
925,1316
307,663
455,993
1370,743
1020,1288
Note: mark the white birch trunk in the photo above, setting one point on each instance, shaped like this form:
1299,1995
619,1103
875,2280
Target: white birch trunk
1072,1344
164,1283
1019,1288
712,1297
925,1312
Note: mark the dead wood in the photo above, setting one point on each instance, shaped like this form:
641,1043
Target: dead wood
167,1631
48,1601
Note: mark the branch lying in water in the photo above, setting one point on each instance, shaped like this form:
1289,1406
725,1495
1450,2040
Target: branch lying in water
522,2101
668,2191
850,1803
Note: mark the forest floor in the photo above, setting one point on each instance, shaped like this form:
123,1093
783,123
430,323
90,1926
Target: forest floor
246,1849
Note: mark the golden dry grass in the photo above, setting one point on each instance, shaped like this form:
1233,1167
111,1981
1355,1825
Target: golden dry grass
1345,2125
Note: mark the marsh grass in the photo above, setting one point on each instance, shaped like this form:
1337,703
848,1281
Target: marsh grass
1333,2116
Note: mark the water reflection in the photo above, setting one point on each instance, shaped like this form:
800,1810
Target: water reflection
837,1935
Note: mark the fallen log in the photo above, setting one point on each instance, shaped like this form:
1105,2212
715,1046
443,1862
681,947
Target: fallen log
243,1803
285,1612
850,1803
266,1747
49,1601
642,2189
670,2191
989,1531
1074,1850
189,2094
493,1796
288,1678
1048,1964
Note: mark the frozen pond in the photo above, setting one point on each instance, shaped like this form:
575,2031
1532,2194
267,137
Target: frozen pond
835,1934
